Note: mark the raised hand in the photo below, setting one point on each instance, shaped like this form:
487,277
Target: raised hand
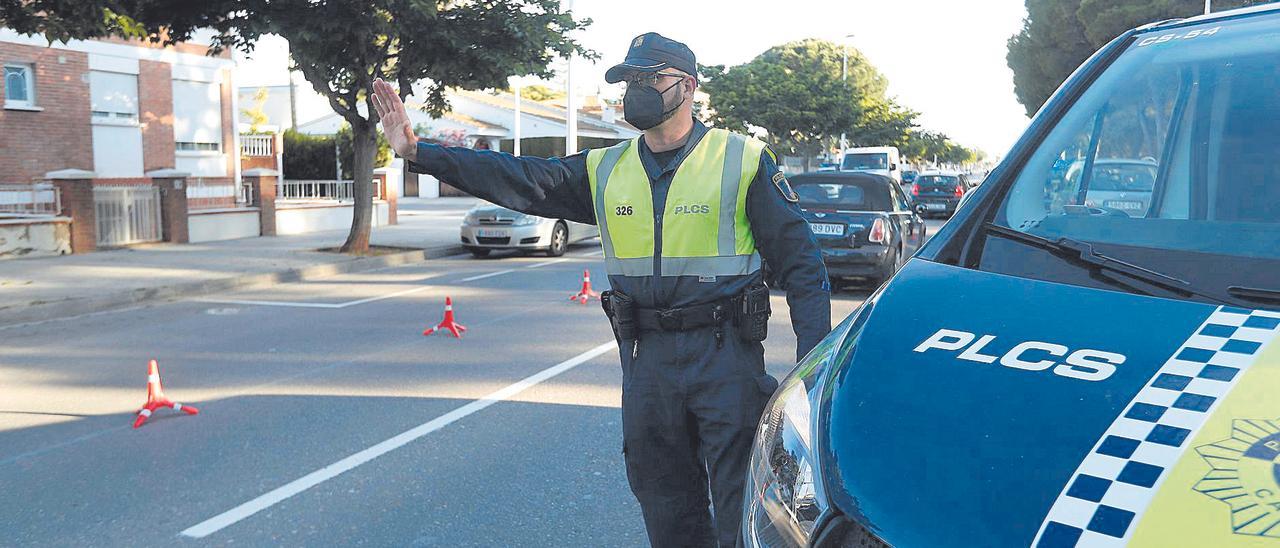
395,120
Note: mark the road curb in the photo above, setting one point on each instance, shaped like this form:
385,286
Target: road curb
42,311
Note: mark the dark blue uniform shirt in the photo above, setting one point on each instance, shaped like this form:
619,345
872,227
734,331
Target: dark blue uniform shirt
559,188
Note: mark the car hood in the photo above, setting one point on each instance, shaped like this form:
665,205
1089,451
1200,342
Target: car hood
928,446
495,210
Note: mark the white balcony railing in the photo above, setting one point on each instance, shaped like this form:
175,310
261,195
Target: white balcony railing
37,199
257,145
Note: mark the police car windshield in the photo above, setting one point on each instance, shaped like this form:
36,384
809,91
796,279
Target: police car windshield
852,162
1168,157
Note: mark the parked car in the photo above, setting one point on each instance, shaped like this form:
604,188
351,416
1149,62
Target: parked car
909,177
1051,374
489,227
937,193
862,221
1114,183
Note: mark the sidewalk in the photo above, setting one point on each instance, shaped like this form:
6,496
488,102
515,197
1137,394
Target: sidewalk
51,287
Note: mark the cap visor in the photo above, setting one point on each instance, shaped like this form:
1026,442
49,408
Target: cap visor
616,72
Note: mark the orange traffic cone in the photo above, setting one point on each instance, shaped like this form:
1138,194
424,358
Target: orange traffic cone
155,397
586,293
448,323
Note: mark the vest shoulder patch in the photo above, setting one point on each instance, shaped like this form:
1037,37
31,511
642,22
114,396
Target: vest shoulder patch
784,188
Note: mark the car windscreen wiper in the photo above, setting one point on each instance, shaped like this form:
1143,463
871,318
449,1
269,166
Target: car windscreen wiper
1083,254
1255,294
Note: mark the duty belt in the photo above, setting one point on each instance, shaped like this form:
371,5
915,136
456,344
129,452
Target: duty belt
686,318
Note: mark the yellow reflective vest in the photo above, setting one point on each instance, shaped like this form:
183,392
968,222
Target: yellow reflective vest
705,231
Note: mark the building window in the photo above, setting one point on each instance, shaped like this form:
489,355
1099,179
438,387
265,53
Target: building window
198,147
19,86
114,96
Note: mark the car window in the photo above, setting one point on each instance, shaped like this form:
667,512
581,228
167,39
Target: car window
900,199
851,196
943,181
878,160
1170,156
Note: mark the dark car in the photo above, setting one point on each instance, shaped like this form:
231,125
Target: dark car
937,193
1053,374
862,221
909,177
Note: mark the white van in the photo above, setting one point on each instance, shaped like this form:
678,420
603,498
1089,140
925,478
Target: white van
880,160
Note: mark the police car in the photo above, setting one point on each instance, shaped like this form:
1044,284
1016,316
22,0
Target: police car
1083,374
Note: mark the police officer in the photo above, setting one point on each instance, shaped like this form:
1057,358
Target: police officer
685,215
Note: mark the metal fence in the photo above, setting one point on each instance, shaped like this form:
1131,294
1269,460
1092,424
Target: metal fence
37,199
127,214
318,190
257,145
202,194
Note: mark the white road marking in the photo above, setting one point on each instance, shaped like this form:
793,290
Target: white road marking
234,515
489,275
593,253
547,263
270,303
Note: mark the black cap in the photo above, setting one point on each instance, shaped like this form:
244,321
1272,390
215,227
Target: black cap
651,52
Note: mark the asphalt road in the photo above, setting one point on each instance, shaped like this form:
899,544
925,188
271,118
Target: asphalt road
326,418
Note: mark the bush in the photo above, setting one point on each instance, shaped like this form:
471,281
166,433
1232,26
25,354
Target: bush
307,156
311,156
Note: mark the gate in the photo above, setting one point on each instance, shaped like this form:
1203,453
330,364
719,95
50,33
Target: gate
127,214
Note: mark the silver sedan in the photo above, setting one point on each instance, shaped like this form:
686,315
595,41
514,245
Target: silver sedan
490,227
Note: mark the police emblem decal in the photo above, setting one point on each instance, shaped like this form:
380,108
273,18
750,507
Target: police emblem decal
639,40
780,181
1245,474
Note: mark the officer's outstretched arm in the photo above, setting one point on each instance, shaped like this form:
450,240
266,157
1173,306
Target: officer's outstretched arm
786,243
555,187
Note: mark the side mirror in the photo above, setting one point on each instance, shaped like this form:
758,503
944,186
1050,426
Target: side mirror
893,167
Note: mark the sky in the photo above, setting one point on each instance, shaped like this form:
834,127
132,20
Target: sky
943,58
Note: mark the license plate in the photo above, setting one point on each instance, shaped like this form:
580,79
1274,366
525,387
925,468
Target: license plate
1120,204
935,207
493,233
827,229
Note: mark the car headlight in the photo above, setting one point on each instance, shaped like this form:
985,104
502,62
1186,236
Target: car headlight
785,496
526,220
472,218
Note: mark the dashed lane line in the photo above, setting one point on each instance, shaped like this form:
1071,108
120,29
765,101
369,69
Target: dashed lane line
275,496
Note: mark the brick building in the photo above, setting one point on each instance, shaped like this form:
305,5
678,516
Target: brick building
117,108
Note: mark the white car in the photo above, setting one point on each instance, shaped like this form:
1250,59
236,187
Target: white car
490,227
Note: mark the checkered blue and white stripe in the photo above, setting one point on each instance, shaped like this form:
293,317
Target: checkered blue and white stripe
1117,480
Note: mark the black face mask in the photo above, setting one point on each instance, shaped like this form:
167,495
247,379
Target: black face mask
642,106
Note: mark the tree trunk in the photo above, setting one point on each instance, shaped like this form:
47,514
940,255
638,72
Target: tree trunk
365,144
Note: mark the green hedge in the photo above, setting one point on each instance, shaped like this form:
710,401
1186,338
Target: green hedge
311,156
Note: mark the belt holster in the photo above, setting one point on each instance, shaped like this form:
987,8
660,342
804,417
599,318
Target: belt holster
753,314
621,310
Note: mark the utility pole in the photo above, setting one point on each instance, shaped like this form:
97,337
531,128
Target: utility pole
571,118
844,77
515,148
1208,7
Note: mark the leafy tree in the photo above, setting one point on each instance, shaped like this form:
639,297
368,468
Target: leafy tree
256,114
342,46
1058,35
540,93
796,94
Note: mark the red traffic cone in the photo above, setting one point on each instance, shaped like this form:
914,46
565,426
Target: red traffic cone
454,327
586,293
156,399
